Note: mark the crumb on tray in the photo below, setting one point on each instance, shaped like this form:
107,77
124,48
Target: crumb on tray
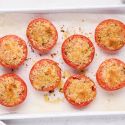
66,74
53,54
60,87
47,98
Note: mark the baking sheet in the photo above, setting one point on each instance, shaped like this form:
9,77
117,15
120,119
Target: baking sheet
35,104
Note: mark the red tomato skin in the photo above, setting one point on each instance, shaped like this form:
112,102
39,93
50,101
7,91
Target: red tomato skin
67,61
77,105
50,88
25,49
103,84
97,30
42,51
25,92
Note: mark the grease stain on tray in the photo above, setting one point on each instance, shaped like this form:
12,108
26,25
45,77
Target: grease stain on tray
49,99
53,97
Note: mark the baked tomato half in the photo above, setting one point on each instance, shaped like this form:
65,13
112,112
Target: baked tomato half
13,51
78,51
45,75
110,34
13,90
42,34
111,74
79,90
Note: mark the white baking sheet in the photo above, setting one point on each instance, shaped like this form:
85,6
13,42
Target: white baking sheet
79,23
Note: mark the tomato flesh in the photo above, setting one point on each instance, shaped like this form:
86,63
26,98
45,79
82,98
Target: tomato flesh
79,90
78,51
45,75
13,90
13,51
111,74
110,35
42,35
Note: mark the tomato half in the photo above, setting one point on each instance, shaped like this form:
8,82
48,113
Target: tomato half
13,90
42,34
13,51
111,74
45,75
79,90
110,35
78,51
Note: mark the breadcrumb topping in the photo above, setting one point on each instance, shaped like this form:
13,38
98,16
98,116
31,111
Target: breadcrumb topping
78,51
42,34
11,52
11,90
111,35
113,73
44,75
81,90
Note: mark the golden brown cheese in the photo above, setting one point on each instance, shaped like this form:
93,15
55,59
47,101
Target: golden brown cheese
81,90
44,75
10,90
111,35
42,34
78,51
113,73
11,52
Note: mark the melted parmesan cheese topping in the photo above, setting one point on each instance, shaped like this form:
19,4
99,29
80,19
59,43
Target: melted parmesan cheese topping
10,90
111,35
11,52
78,51
113,73
42,34
81,90
44,75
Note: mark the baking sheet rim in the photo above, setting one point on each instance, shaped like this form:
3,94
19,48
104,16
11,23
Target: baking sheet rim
8,116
